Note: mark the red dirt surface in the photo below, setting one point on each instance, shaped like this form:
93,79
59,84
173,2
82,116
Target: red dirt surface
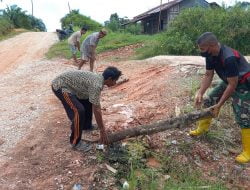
24,48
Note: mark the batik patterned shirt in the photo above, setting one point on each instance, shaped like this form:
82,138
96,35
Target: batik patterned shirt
83,84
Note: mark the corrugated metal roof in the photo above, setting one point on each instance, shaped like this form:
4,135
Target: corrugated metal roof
155,10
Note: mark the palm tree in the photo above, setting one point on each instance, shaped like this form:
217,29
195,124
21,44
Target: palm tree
15,14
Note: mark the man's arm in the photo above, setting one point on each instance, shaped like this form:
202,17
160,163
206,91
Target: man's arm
206,82
232,84
98,117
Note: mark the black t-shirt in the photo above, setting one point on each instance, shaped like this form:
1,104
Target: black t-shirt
229,63
226,70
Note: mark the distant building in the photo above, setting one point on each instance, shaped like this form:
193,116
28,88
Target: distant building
150,19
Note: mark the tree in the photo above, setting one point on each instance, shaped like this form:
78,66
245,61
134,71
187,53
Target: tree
37,23
20,19
113,23
16,16
77,19
244,5
231,26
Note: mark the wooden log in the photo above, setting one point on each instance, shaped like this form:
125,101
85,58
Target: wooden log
177,122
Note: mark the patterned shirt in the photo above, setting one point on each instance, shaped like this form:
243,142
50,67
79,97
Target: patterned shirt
91,40
83,84
74,38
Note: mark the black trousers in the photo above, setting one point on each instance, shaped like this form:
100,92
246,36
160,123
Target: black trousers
79,112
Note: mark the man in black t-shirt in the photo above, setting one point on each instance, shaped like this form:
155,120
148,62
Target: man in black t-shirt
234,71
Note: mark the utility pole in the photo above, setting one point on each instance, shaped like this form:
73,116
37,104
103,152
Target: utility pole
32,7
69,7
159,23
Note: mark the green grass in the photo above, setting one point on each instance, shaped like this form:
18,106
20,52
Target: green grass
110,42
149,50
12,34
60,49
172,175
117,40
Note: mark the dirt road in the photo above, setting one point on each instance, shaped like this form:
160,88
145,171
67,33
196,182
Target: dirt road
19,78
26,47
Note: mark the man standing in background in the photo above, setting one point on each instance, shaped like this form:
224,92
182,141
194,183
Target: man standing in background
88,48
74,42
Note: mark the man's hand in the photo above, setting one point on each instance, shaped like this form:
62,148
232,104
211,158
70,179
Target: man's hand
215,110
98,117
198,99
104,138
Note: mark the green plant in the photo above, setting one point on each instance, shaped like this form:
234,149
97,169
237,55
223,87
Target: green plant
79,20
134,28
231,26
195,85
5,26
11,34
19,19
113,40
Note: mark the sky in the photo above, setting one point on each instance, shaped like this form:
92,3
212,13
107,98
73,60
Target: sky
51,11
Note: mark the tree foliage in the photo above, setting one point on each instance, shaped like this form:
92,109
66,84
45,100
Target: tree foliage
5,26
19,19
231,26
115,23
79,20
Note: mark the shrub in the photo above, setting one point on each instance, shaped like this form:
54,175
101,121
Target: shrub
5,26
231,26
19,19
79,20
134,28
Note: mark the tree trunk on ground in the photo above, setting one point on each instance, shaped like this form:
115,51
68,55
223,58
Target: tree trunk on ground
177,122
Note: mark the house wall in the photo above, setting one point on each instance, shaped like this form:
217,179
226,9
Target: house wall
150,24
173,12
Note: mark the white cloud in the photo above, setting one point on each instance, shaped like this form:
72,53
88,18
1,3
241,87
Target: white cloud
51,11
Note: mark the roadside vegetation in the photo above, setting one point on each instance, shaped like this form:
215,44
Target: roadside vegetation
230,25
12,33
14,20
79,20
144,168
117,36
113,40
